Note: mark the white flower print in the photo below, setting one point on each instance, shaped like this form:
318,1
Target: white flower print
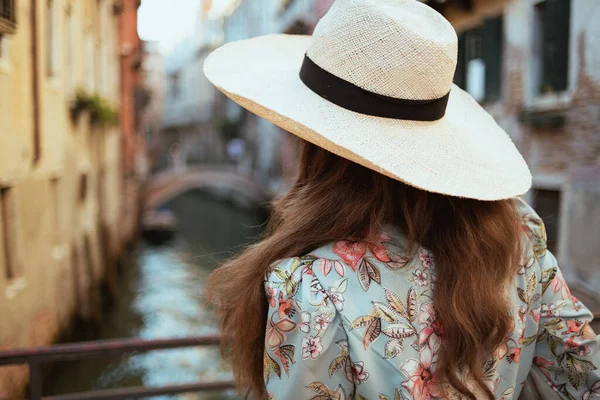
426,259
336,291
337,298
420,277
322,314
305,322
521,313
322,322
549,310
311,347
358,372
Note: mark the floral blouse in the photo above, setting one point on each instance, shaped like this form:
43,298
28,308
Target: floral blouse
355,320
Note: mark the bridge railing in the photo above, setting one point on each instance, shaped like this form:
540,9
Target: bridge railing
35,357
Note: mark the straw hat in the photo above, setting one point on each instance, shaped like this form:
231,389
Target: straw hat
374,85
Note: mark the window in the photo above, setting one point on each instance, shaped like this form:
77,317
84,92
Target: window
480,53
547,205
9,243
175,85
51,42
8,17
83,187
551,45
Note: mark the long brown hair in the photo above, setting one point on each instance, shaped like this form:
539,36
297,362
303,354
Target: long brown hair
475,245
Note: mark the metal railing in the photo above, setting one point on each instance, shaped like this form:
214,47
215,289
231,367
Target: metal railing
35,357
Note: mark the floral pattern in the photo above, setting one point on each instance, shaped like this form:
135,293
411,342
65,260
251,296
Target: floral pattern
356,320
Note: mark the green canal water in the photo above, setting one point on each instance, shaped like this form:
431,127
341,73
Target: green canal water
161,295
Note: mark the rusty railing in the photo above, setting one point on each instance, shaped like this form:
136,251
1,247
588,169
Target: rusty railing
35,357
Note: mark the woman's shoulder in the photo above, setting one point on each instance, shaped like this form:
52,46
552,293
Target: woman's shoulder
347,255
531,224
359,267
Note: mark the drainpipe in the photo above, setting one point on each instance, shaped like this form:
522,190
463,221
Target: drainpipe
36,85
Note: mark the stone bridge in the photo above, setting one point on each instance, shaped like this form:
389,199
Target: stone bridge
222,180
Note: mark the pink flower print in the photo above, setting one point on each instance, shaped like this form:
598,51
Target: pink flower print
514,355
271,297
431,330
350,252
426,258
535,314
521,313
502,350
286,307
583,351
421,382
379,251
420,277
305,322
549,310
580,350
322,322
542,363
358,372
574,326
311,347
425,335
353,251
337,298
559,284
427,314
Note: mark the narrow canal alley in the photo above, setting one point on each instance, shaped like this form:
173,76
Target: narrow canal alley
162,296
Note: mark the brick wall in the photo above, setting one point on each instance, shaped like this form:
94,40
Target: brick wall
557,133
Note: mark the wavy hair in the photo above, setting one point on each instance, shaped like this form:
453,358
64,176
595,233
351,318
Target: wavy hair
476,245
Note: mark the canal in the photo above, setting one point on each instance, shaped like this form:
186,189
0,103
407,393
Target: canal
161,295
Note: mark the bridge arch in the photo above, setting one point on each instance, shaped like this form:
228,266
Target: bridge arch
166,186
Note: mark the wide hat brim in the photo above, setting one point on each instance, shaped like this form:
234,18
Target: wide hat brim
463,154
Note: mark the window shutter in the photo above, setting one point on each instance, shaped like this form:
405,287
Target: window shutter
8,18
460,73
556,29
492,52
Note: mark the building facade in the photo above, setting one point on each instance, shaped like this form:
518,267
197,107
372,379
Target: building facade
134,97
271,154
60,167
534,65
190,134
153,71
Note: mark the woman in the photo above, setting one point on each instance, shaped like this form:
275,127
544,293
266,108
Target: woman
401,264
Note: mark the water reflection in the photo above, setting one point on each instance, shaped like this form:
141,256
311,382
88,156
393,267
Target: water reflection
162,295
